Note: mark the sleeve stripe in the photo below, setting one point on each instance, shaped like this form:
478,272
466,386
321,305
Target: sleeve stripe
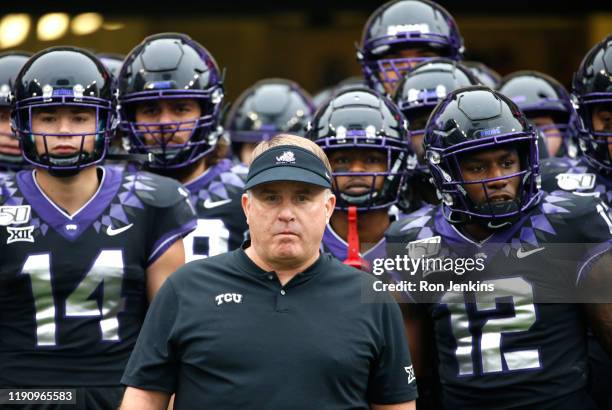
168,239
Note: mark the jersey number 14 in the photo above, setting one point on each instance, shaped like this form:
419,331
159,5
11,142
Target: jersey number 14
106,273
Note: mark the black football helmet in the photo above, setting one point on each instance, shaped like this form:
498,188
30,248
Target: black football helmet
112,62
267,108
63,77
483,73
400,25
592,88
472,119
10,64
538,94
423,88
170,66
359,117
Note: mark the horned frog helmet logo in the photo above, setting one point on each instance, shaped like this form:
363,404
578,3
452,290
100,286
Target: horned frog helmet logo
286,157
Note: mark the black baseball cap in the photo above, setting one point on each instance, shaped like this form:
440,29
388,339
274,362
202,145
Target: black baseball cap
288,163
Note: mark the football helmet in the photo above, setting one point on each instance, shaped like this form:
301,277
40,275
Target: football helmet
538,94
63,77
267,108
112,62
472,119
592,86
360,118
485,74
10,64
170,66
323,95
401,25
421,89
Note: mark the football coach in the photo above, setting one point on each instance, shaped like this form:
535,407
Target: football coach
275,324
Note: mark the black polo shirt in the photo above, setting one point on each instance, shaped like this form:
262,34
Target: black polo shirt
224,334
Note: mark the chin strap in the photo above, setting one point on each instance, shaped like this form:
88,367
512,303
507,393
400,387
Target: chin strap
353,259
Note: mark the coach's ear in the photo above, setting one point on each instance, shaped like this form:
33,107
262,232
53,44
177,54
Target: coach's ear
330,204
246,203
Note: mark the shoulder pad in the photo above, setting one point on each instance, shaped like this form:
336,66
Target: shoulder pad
410,225
155,190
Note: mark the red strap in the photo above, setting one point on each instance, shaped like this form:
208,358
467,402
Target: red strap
353,259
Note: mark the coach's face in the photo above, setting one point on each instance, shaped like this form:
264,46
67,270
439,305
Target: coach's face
286,220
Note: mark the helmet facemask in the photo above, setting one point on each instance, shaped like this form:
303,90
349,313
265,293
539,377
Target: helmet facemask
57,164
166,149
393,175
596,145
459,207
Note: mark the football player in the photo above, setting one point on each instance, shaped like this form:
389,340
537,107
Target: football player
591,90
416,96
116,152
367,142
267,108
170,95
485,74
592,173
10,154
402,33
547,104
504,339
83,247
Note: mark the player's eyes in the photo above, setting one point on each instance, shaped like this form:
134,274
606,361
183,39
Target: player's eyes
47,118
508,163
476,168
149,111
375,160
301,198
182,109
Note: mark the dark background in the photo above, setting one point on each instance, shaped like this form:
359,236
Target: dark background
313,42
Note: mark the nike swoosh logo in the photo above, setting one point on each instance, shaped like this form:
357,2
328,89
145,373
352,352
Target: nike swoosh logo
522,254
112,232
213,204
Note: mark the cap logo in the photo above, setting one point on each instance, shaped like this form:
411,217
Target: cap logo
287,157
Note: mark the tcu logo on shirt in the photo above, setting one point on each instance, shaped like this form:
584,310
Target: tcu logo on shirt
228,297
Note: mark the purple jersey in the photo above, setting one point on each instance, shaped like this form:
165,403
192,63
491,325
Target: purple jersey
73,287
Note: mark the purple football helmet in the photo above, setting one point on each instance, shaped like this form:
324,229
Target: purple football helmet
170,66
538,94
404,25
592,88
63,77
473,119
360,118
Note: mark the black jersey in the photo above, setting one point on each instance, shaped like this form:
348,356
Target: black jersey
72,288
575,175
505,349
579,176
216,197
